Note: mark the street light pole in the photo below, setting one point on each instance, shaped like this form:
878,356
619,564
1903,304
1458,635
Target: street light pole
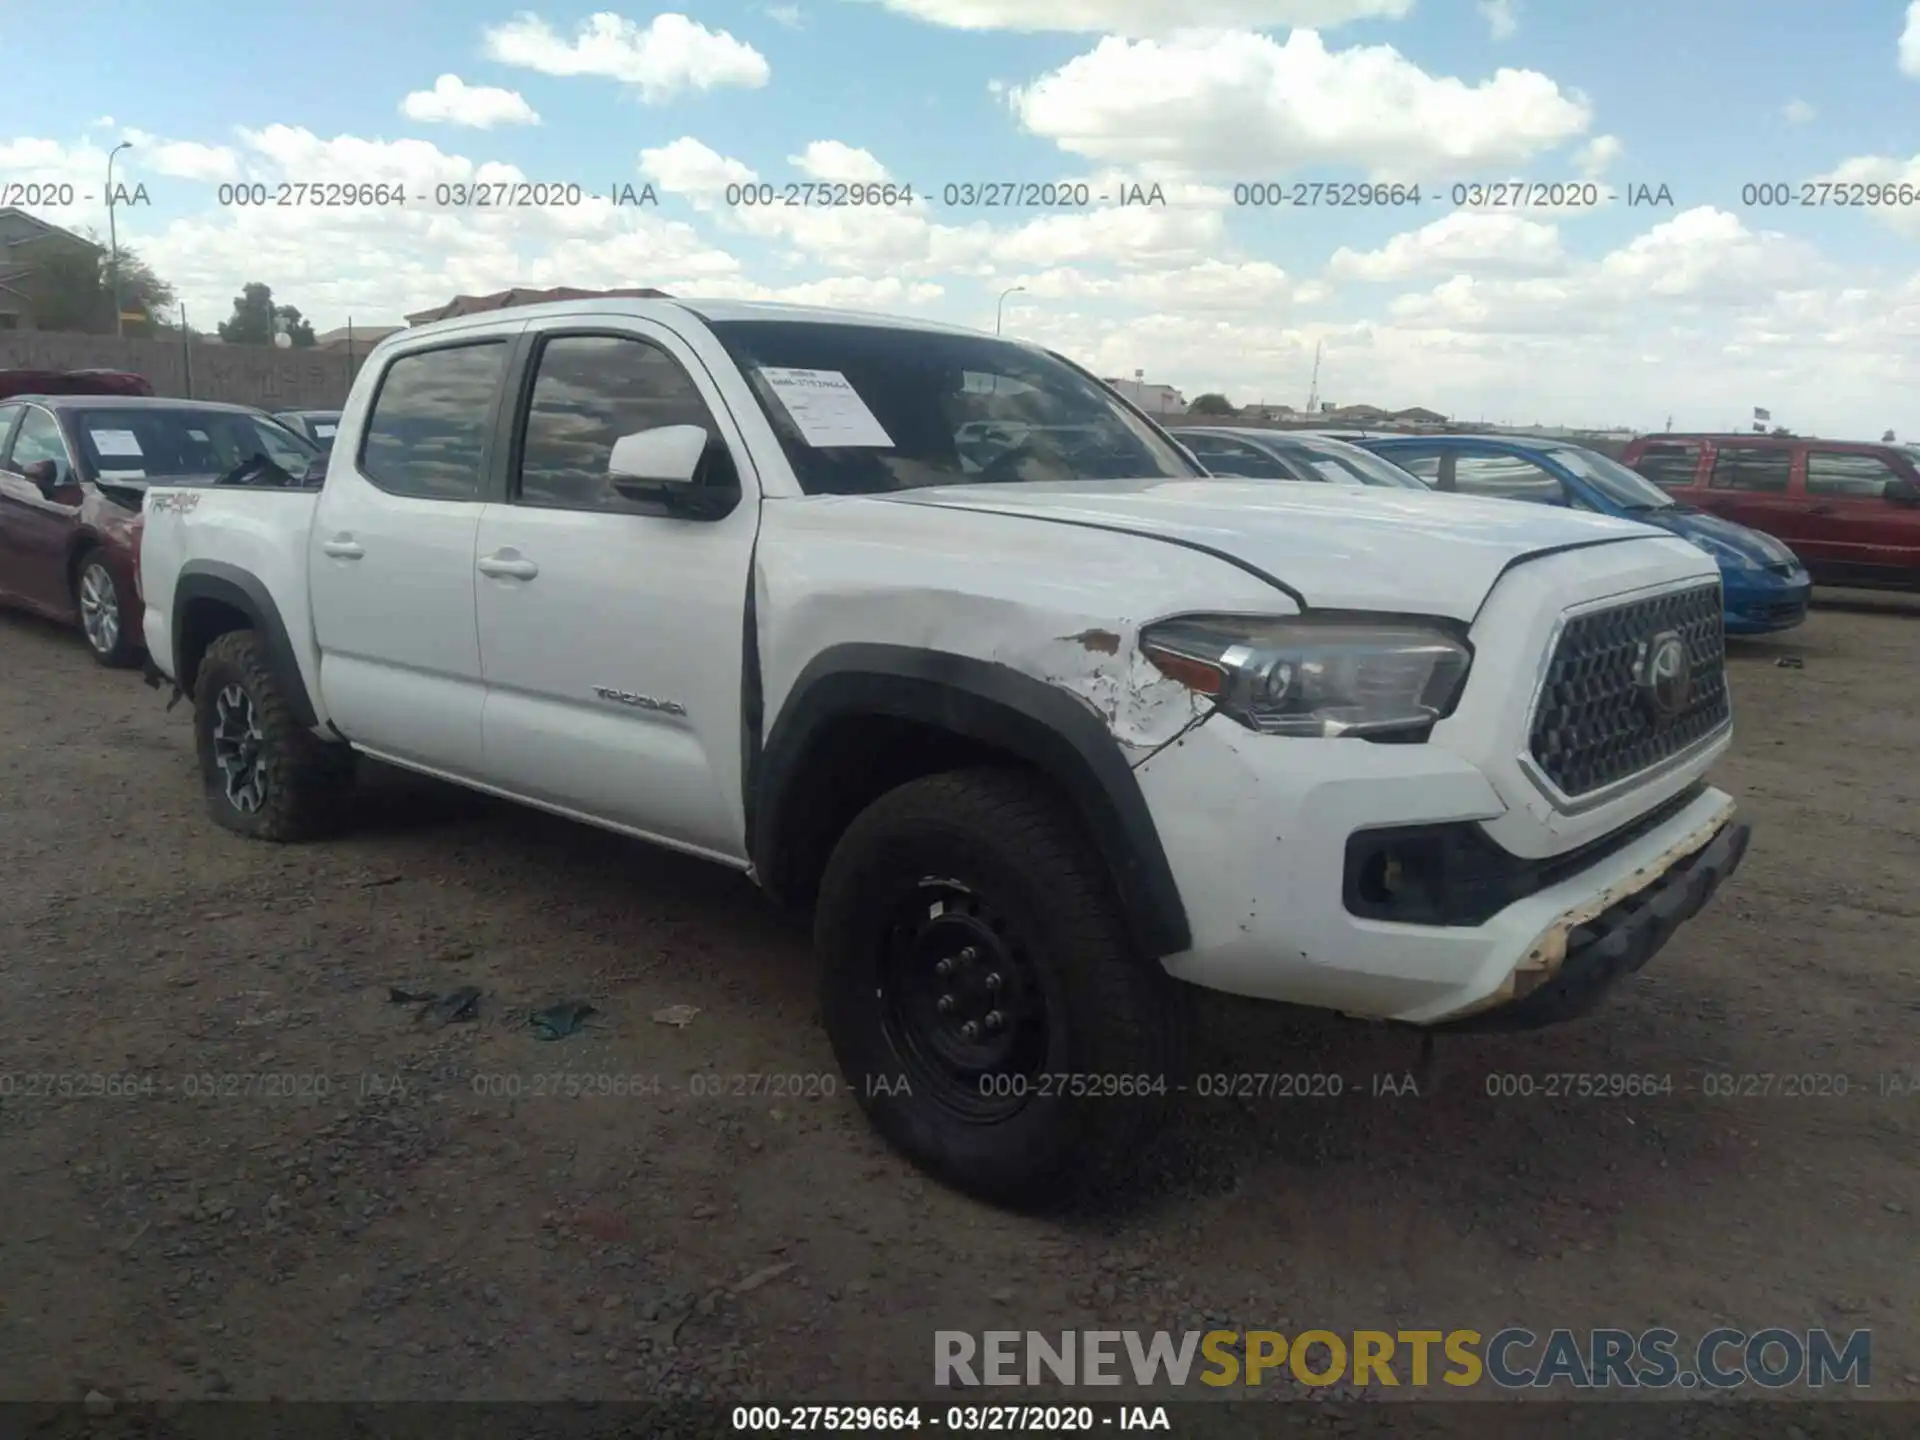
113,238
997,309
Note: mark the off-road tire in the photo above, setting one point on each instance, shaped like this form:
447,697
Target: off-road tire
309,781
127,647
1109,1010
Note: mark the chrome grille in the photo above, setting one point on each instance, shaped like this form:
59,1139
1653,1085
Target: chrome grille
1591,727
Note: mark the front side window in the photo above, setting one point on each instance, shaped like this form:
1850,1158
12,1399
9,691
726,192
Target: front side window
1855,476
1345,464
588,391
39,438
870,409
1625,488
1763,469
1506,477
1669,464
427,434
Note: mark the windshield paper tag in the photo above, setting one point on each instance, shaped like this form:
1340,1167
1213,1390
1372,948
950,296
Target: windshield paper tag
123,474
116,442
828,411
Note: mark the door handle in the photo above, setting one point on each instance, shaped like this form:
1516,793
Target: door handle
507,566
341,548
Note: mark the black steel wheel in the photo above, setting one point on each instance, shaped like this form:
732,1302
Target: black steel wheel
982,993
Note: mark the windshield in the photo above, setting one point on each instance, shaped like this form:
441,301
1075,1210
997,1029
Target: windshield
154,442
866,409
1346,464
1626,489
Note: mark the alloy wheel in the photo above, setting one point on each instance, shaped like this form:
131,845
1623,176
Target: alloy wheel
99,608
240,750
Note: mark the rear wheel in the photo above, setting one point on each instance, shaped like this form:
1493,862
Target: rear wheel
982,994
266,775
103,612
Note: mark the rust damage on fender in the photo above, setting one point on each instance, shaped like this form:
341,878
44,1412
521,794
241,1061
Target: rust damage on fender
1101,642
1549,952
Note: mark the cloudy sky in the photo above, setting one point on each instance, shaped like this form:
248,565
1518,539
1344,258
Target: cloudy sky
1709,300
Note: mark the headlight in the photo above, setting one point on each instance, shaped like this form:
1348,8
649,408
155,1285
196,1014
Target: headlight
1728,557
1306,675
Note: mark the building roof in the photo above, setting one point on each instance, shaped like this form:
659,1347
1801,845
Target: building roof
46,227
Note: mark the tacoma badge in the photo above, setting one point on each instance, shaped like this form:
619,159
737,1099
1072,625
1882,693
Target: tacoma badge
639,702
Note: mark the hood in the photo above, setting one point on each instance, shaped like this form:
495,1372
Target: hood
1336,547
1760,548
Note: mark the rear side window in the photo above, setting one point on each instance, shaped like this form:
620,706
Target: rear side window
1669,465
1764,469
1833,472
427,435
1230,457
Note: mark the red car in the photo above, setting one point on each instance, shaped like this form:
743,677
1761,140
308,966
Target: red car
72,382
1850,510
73,475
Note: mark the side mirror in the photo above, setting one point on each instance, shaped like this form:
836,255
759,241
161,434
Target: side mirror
1902,491
670,455
44,474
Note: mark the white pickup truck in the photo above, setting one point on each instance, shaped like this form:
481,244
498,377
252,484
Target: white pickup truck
1037,729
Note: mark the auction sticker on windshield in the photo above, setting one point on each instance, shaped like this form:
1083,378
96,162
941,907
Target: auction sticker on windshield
828,411
116,442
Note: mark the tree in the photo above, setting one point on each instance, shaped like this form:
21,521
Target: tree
254,317
1212,403
1887,439
72,289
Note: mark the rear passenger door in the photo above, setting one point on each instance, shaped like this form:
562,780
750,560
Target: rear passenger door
1751,485
391,561
611,623
1502,476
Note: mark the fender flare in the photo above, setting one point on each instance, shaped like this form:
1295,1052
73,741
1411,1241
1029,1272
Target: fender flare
996,705
234,587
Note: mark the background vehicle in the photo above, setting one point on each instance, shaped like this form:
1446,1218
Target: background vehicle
1765,585
718,576
72,382
1283,455
1850,511
73,470
317,427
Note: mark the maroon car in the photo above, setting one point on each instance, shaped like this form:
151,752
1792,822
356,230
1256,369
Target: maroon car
72,382
73,474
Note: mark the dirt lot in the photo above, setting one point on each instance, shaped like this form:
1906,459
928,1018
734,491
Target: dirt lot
415,1231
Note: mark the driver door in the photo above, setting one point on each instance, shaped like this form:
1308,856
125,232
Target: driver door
34,530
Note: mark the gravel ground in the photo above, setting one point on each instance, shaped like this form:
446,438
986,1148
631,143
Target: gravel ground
314,1192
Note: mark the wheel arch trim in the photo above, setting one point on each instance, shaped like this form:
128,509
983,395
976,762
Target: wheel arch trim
215,580
993,704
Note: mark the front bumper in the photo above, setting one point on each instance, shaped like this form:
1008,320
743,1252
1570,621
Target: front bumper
1256,831
1618,940
1761,604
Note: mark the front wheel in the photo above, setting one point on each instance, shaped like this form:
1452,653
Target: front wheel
982,994
103,613
267,776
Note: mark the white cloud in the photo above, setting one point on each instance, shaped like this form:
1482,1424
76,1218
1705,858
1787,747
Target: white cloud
1240,105
1210,285
669,55
1883,171
1799,112
835,163
105,122
1598,155
452,101
787,15
1466,240
178,159
687,167
1910,42
1148,17
1501,16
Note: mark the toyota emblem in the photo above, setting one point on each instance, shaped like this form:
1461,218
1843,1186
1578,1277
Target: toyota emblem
1665,675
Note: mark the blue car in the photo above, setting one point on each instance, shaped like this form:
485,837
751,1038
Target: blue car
1764,585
